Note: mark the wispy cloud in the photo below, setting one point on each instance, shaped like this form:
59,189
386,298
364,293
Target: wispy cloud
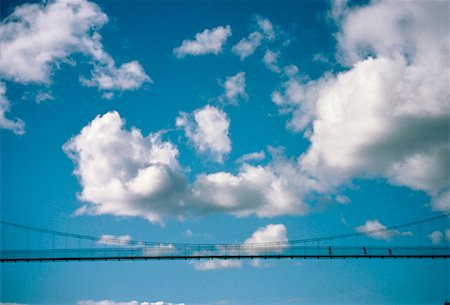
248,45
254,156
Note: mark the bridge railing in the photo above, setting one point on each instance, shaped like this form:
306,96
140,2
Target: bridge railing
223,252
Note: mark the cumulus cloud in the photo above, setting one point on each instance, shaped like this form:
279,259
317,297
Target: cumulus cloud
266,191
272,233
124,173
386,115
129,76
261,241
436,237
298,97
383,233
36,39
248,45
234,89
108,302
17,126
206,42
207,128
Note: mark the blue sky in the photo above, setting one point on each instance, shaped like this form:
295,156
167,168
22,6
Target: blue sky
226,121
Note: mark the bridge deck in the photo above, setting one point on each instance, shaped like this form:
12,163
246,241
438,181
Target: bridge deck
223,253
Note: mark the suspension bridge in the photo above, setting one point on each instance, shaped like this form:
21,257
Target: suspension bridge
22,243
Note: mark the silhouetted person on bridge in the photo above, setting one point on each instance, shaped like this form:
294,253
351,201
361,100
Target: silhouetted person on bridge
390,251
329,251
365,250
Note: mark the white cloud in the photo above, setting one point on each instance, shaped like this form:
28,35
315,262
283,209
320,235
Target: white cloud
161,249
387,114
234,88
12,303
207,128
266,27
320,57
298,97
254,156
373,225
188,233
36,39
206,42
271,233
107,302
342,199
112,240
269,239
447,234
124,173
248,45
436,237
270,59
17,126
129,76
217,264
266,191
43,96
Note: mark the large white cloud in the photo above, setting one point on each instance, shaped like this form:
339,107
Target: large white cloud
36,38
386,115
124,173
266,191
207,128
206,42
